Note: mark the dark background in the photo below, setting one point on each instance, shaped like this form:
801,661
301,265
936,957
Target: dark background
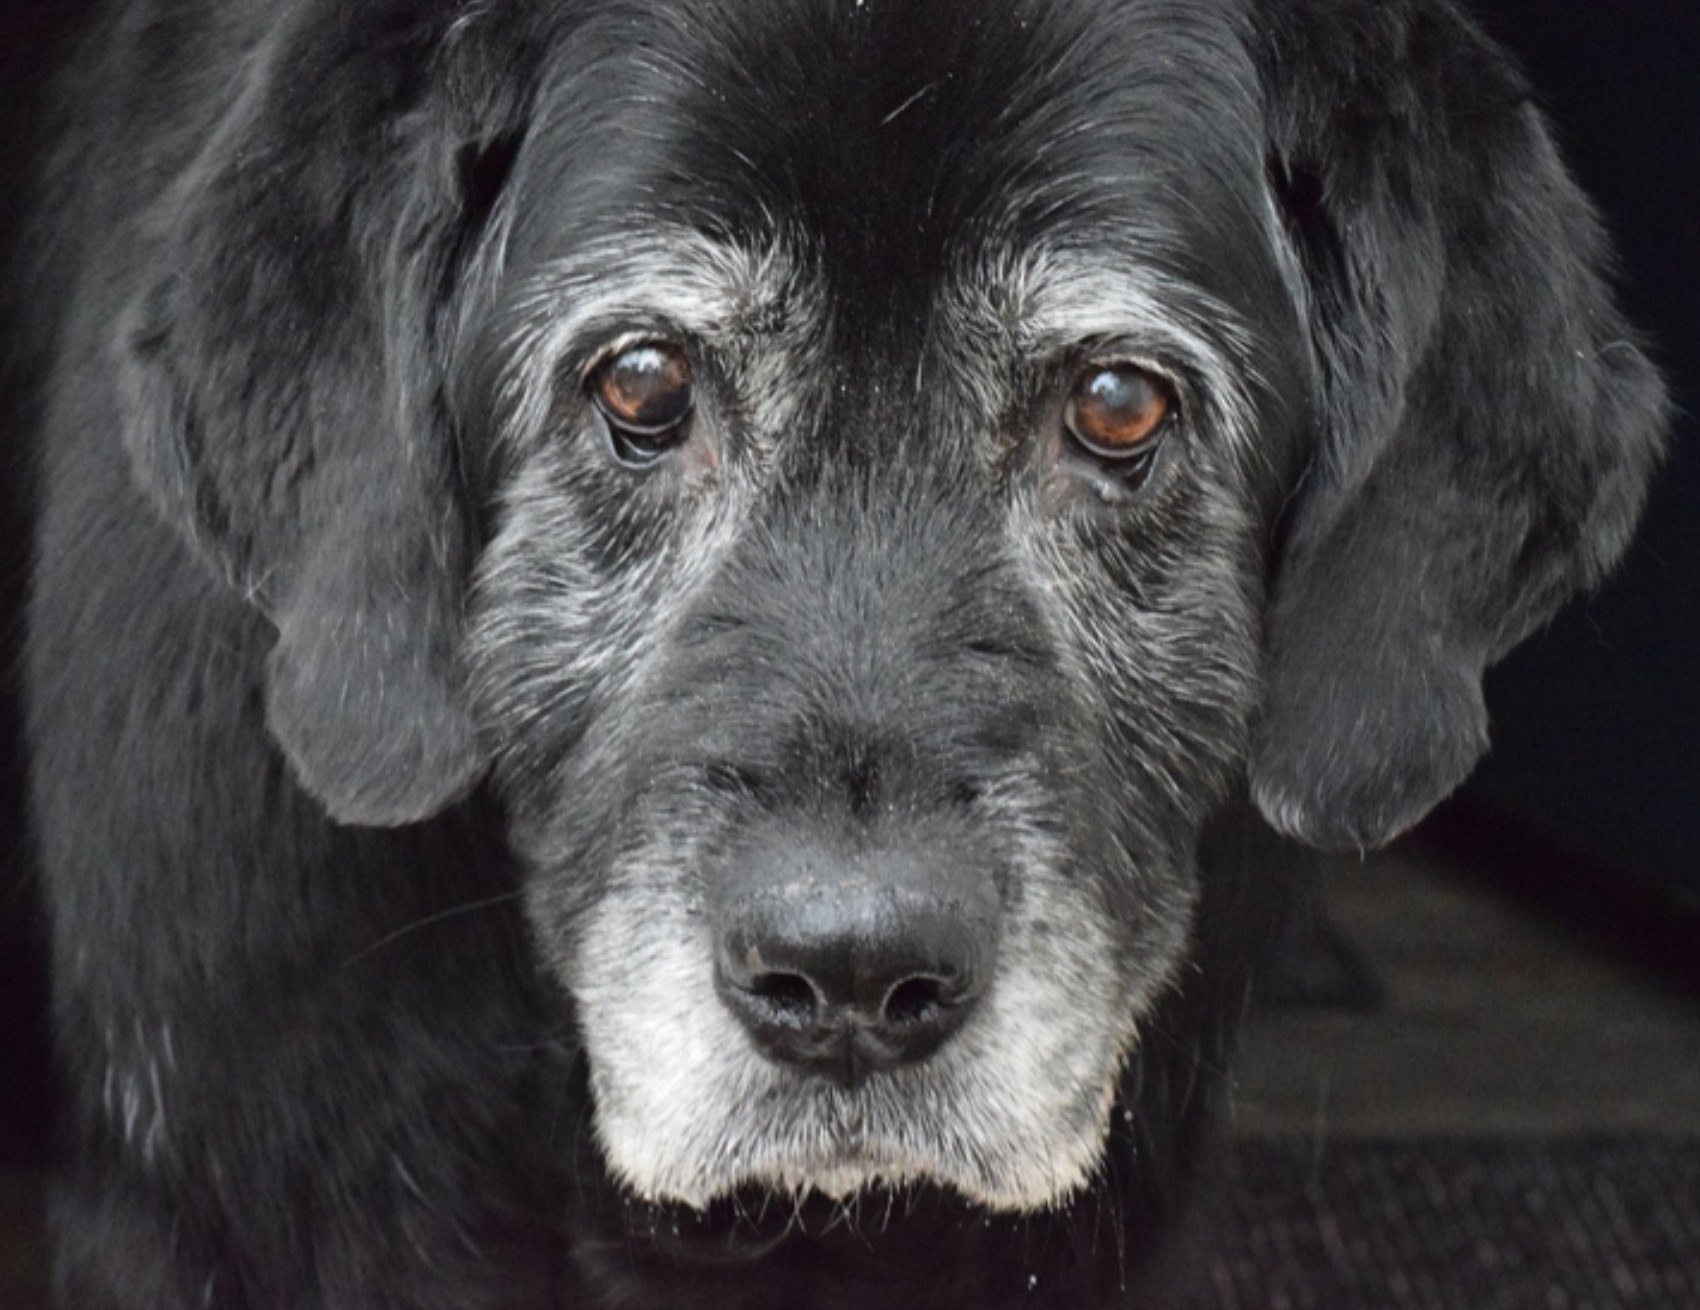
1596,723
1591,797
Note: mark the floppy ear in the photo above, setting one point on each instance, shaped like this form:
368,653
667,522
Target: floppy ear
282,361
1487,422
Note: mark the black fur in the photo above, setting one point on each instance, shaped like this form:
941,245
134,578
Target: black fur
365,689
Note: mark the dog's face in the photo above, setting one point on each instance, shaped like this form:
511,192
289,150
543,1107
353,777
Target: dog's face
876,575
867,481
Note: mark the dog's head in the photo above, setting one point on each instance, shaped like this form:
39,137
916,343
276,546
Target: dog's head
867,481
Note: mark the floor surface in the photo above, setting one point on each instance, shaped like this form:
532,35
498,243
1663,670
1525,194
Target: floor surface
1500,1017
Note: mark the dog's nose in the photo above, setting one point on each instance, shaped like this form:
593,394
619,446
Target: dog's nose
848,977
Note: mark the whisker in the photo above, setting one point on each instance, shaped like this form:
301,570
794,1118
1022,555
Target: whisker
428,920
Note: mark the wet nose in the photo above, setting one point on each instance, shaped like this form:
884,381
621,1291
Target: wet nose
846,976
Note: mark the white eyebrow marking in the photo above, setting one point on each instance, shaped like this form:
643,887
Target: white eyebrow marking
1044,298
673,277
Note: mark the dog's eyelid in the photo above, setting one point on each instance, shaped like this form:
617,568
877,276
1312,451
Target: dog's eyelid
595,350
1170,364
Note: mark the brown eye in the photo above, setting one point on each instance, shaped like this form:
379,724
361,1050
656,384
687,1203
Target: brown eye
1118,412
644,394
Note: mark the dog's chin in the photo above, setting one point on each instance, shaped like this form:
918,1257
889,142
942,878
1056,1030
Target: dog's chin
826,1142
850,1174
843,1178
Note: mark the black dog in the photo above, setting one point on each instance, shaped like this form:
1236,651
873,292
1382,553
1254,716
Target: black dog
666,637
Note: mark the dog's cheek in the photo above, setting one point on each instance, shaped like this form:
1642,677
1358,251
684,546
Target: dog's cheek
572,599
1158,617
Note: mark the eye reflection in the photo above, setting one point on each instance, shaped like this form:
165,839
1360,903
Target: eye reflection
646,397
1118,412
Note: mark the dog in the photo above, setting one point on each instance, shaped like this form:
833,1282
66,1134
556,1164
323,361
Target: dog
678,653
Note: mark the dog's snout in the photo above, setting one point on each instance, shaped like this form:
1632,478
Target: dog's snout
845,974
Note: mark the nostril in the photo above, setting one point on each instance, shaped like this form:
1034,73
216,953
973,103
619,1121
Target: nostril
915,1001
789,998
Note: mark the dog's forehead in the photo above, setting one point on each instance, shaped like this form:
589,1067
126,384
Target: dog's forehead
905,139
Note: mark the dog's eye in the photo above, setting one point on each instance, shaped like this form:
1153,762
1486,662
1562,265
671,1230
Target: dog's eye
644,395
1118,412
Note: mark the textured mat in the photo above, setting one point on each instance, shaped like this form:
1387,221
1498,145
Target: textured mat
1571,1224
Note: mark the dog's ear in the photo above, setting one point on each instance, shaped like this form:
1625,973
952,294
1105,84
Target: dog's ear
282,358
1486,422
